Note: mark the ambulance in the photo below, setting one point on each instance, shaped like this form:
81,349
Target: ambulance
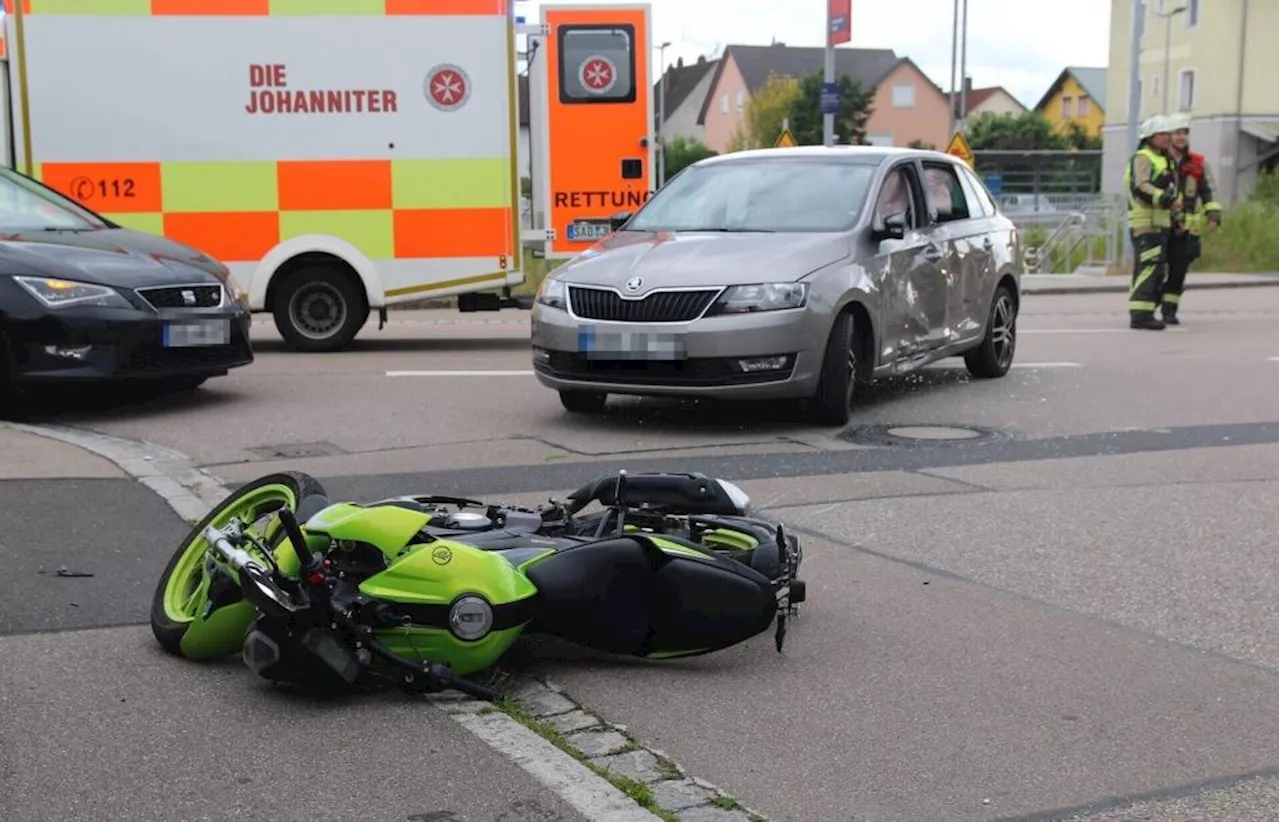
339,156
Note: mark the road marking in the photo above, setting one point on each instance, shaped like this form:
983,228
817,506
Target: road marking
1089,330
472,373
1274,359
1045,365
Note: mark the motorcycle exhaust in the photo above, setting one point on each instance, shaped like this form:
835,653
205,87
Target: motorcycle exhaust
260,652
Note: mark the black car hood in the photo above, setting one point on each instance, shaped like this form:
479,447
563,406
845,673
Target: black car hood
118,257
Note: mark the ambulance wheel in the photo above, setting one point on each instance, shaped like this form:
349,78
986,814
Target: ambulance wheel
319,308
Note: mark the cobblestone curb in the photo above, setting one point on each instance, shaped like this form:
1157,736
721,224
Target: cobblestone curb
647,775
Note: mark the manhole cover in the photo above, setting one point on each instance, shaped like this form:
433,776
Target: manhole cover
919,434
933,432
297,450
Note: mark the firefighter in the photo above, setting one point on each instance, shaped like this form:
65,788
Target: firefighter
1151,183
1195,185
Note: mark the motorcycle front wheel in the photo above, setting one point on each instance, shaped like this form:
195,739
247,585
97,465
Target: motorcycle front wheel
181,617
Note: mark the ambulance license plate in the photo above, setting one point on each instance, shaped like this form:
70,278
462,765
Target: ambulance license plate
588,231
597,344
192,334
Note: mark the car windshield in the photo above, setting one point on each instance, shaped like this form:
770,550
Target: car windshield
774,194
28,206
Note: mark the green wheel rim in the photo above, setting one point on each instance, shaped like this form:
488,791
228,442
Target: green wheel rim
188,586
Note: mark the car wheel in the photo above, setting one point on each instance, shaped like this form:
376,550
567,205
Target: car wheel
13,400
832,402
318,308
583,402
994,355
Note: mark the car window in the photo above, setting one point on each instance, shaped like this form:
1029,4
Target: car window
946,197
27,206
895,197
774,194
980,203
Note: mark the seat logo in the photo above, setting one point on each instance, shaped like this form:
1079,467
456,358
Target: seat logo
634,284
188,297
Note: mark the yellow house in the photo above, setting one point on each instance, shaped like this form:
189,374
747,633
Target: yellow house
1078,95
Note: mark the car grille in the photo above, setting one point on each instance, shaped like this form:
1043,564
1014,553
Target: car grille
700,372
183,296
660,307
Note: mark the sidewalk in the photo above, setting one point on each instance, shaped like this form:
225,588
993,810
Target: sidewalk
83,539
1099,283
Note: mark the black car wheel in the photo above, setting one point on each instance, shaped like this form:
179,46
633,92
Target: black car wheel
832,403
13,400
319,309
583,402
994,355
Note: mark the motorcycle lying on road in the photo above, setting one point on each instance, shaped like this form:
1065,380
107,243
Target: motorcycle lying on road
425,590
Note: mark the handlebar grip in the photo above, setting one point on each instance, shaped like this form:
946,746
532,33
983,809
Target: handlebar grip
294,532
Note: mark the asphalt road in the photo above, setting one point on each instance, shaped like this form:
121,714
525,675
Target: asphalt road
1074,616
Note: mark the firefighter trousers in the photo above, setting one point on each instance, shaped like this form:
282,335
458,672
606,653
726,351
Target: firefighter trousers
1149,264
1184,249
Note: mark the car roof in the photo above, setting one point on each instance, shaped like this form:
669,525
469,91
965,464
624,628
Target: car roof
861,154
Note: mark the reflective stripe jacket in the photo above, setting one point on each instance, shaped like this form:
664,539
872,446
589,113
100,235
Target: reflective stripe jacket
1196,187
1151,183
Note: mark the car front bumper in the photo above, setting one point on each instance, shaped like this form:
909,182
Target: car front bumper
724,357
100,344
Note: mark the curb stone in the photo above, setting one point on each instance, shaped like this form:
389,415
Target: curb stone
682,796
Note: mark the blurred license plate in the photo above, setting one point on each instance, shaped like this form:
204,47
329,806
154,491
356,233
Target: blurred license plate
588,230
189,335
630,345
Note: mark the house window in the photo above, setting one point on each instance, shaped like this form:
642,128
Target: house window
724,104
1186,89
880,139
740,101
1192,14
1066,108
904,96
1082,107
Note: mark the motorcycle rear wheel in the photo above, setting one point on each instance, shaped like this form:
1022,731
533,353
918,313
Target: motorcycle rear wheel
182,591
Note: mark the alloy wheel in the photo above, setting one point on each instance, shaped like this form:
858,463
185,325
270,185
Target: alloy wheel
1003,330
317,310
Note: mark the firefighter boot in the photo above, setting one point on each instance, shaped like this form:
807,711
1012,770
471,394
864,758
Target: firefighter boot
1169,314
1145,321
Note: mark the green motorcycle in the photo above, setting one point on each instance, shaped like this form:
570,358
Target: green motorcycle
422,591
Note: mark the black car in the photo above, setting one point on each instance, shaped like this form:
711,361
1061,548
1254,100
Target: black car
85,300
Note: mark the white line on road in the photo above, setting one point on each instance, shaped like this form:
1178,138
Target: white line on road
472,373
1045,365
1089,330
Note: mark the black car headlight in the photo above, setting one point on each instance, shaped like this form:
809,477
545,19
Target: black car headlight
552,293
748,299
470,618
56,293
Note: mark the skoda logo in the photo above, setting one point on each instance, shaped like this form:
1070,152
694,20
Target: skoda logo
634,284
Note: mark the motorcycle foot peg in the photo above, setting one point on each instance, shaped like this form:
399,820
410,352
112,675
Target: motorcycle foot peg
796,592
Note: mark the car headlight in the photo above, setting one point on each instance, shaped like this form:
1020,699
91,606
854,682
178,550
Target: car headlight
470,618
56,293
747,299
552,293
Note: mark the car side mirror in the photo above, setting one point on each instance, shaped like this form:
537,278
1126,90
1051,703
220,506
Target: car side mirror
617,221
893,227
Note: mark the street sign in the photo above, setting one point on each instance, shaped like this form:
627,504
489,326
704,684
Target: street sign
829,98
785,140
839,29
994,183
959,147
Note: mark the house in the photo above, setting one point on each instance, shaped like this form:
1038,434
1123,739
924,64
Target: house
1078,95
1222,72
686,88
993,99
908,106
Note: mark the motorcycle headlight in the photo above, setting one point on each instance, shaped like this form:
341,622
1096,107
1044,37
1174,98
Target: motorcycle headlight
552,293
747,299
55,293
470,618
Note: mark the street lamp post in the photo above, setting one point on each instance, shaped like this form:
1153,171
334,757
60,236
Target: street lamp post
662,112
1168,35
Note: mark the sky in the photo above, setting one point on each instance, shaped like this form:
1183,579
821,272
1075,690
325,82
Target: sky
1019,44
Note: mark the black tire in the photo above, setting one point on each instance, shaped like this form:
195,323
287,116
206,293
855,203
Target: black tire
832,402
583,402
318,308
994,355
169,632
14,401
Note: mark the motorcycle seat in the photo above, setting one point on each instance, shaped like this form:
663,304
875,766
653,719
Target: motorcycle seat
684,493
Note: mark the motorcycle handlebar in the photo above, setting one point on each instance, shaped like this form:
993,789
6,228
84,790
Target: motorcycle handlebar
299,542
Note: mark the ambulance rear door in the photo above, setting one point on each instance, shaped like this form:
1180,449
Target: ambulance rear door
592,120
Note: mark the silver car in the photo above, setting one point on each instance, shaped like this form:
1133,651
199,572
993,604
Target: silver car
793,272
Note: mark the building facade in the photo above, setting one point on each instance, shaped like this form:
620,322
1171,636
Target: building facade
1077,96
1221,57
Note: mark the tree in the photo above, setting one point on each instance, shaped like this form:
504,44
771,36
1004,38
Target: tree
681,152
768,107
1023,132
851,117
1028,132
